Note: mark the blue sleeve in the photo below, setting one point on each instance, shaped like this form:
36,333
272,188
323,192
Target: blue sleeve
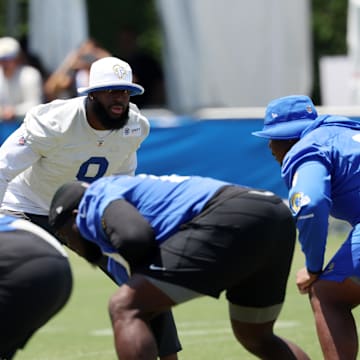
310,203
118,272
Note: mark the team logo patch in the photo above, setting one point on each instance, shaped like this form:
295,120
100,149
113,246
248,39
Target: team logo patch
134,131
121,72
329,268
297,201
309,109
59,209
21,141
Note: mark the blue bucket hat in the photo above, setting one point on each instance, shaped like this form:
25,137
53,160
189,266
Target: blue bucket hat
287,117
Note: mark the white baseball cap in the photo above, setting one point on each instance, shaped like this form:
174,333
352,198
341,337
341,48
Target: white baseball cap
111,73
9,48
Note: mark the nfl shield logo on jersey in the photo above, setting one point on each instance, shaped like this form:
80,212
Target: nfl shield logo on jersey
21,141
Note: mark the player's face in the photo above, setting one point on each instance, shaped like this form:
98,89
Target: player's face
111,107
70,235
279,148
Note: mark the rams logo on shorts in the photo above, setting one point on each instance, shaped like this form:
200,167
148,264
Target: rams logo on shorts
329,268
297,201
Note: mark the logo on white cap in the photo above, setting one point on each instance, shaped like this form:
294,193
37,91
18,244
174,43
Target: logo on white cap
121,72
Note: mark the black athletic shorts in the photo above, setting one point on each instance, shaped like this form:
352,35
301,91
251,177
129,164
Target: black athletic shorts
35,283
163,325
241,243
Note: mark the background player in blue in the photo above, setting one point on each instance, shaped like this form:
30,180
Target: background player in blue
35,282
320,163
173,238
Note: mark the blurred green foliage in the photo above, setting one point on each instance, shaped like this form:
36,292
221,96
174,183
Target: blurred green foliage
329,20
107,18
20,28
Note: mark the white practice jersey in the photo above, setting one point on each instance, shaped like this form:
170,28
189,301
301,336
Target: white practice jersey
55,144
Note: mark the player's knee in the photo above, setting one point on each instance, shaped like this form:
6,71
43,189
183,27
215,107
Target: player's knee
120,304
254,344
254,337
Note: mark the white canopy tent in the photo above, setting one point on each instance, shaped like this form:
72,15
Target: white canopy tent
353,41
233,53
226,53
56,28
340,74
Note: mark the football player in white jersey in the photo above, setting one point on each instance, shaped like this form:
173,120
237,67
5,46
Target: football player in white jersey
82,138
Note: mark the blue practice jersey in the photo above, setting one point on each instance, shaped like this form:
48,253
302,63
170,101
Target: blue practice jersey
165,202
322,172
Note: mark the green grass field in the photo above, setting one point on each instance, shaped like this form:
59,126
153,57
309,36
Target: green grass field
82,329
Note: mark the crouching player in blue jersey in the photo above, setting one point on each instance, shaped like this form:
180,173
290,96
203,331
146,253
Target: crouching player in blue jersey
320,163
35,282
171,239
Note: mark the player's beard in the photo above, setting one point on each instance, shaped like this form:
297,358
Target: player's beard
107,121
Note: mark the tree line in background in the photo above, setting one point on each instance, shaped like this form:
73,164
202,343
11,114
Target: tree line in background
106,18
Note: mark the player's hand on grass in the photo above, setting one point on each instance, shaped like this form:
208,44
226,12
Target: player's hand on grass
304,279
